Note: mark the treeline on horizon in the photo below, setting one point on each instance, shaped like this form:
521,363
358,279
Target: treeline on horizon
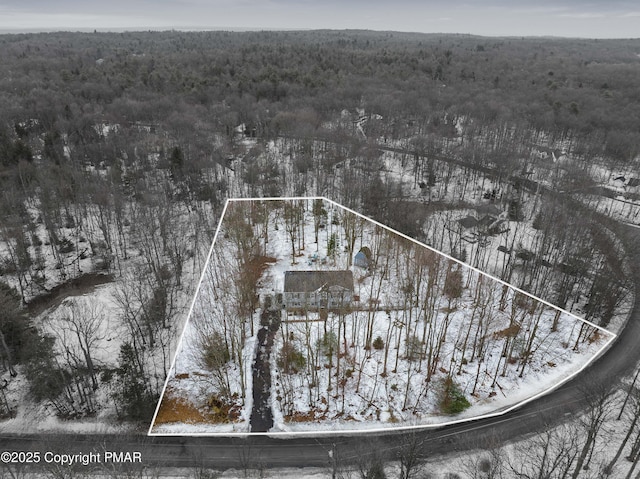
204,81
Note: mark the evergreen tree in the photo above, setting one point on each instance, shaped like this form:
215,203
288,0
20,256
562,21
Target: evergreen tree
132,393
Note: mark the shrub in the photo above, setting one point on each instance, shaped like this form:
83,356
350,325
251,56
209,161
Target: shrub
415,348
378,343
376,471
332,245
35,240
539,221
328,345
106,375
214,352
131,391
290,360
46,378
20,336
65,246
453,282
452,400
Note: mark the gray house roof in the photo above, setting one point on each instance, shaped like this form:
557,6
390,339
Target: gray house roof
487,210
468,222
633,182
308,281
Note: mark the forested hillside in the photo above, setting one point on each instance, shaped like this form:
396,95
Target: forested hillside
117,152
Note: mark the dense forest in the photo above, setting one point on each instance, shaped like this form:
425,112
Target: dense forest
117,152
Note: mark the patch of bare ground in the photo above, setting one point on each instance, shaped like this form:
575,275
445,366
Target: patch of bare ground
312,416
175,409
83,284
256,267
317,416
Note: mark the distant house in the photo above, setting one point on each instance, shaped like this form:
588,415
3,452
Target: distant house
468,228
626,184
487,220
487,210
362,258
468,222
633,185
490,219
558,156
316,290
245,131
619,182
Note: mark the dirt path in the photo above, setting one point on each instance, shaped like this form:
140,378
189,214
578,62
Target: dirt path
74,287
261,414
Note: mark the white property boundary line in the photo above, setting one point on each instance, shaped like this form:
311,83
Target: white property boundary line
345,432
186,323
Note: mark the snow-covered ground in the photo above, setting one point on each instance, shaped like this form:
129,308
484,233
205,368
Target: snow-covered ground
353,387
81,259
449,192
618,208
84,314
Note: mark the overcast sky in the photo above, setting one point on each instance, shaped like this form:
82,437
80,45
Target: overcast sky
568,18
